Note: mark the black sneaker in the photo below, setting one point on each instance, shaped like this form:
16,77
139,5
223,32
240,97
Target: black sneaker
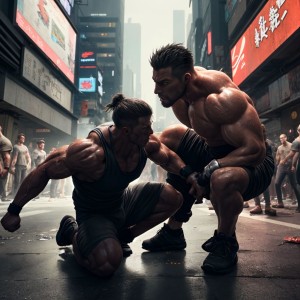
68,226
209,245
164,240
223,255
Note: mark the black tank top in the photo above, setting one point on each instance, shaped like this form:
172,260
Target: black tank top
104,195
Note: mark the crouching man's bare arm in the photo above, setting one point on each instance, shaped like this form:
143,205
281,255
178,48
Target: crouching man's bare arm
78,159
161,155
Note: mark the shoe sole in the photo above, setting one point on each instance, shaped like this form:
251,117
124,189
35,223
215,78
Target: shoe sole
209,269
60,230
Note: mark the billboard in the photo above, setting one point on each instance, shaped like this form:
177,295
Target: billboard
45,24
87,85
273,25
88,59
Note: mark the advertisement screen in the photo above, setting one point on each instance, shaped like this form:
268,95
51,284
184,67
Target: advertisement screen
45,24
87,85
273,25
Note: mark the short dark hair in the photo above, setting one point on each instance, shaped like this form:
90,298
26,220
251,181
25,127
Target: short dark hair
127,111
20,134
41,141
176,56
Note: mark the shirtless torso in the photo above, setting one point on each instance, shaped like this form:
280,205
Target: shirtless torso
218,111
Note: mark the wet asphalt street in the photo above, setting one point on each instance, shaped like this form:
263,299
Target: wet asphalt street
34,267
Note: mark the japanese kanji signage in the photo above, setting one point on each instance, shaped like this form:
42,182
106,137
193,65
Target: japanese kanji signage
273,25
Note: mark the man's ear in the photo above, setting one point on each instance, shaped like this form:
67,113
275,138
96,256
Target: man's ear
187,77
125,130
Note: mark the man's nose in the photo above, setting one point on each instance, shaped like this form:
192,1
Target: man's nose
156,89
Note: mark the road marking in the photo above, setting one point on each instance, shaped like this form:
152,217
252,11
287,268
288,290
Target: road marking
259,218
272,221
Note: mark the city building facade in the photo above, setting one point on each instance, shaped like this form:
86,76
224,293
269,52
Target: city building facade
257,44
37,71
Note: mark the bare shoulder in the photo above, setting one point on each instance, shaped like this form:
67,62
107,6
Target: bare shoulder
228,105
216,80
85,158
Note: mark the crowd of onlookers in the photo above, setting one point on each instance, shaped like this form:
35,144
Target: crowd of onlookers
18,160
286,179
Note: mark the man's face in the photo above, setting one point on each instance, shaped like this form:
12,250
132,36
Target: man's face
168,87
41,146
282,138
140,133
22,139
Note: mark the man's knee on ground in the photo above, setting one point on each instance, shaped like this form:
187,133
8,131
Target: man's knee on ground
105,258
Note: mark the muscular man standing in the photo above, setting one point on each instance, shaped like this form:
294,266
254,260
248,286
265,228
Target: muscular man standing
109,212
233,163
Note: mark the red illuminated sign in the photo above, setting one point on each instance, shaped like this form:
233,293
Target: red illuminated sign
88,59
87,54
209,43
274,24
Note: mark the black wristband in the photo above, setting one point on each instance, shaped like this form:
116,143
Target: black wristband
14,209
204,177
186,171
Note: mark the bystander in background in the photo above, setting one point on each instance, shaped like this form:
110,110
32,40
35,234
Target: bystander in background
21,161
5,159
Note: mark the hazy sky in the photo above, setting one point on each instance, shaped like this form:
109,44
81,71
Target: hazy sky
156,19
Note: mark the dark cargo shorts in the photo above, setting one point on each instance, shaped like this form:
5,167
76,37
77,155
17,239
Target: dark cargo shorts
137,203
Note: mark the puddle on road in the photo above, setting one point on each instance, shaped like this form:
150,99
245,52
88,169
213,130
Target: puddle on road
43,237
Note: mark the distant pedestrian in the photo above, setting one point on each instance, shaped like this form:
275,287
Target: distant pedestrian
53,183
294,155
5,159
284,165
39,154
20,162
